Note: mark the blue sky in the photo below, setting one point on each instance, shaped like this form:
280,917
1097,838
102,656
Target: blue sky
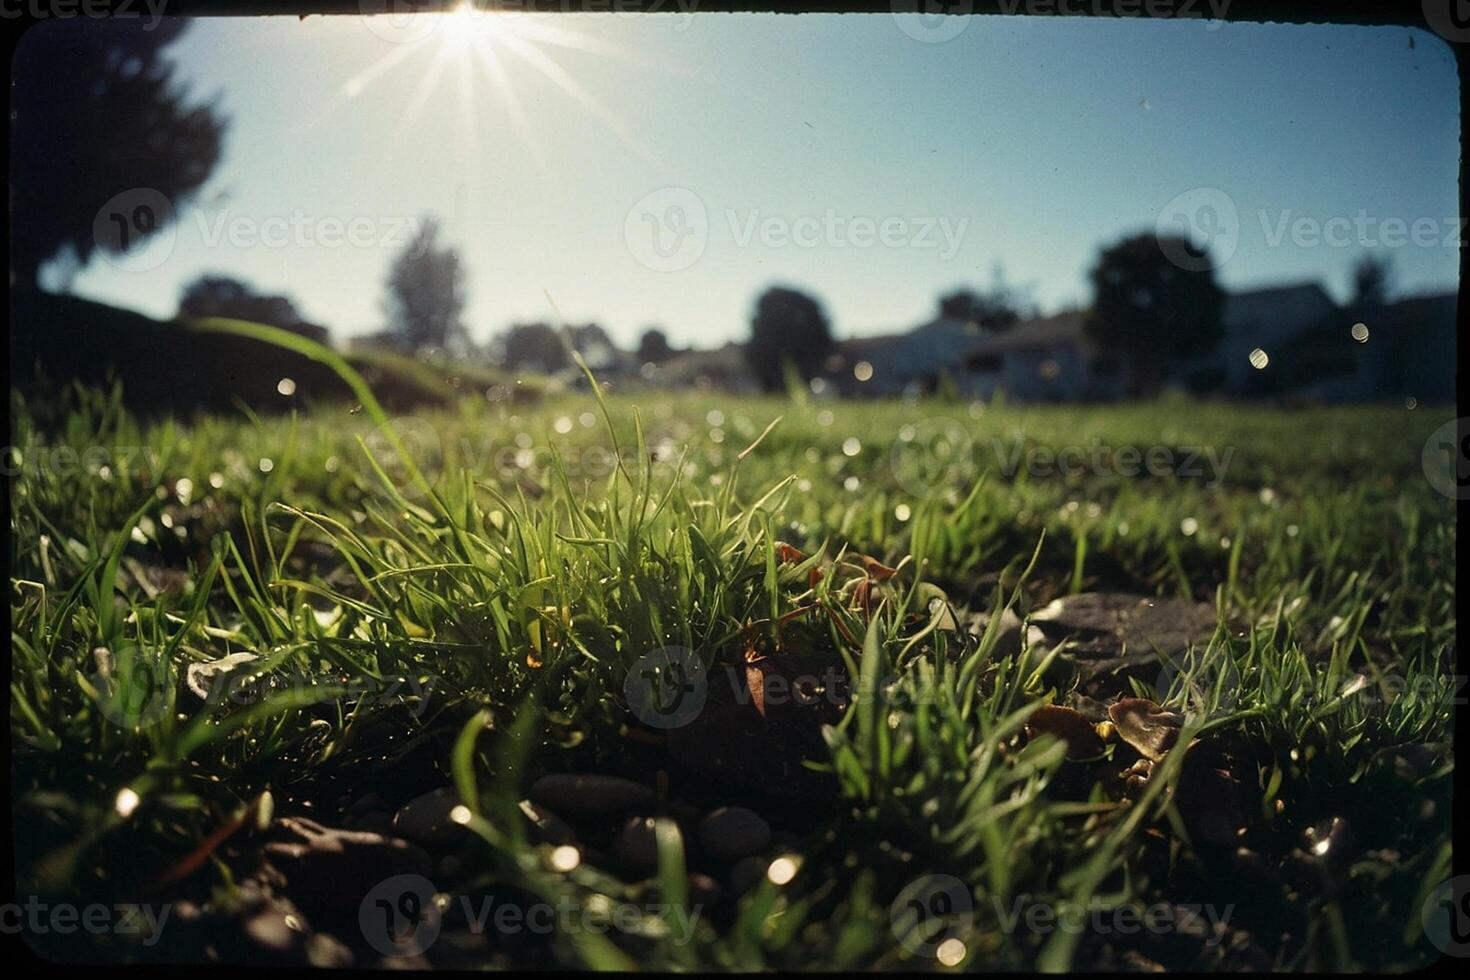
834,152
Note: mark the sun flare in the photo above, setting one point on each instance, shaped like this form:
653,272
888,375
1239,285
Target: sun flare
486,49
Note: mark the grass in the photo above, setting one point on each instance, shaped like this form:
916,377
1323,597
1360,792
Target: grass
515,561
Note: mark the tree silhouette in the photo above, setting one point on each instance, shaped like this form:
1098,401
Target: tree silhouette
98,112
653,347
789,327
426,294
1372,284
534,347
593,343
997,308
216,295
1151,311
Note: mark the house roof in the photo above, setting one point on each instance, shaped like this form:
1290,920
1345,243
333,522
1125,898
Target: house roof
1045,333
1305,298
728,361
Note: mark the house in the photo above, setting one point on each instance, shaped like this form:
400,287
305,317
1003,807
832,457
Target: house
1270,319
724,368
1043,359
894,364
1405,350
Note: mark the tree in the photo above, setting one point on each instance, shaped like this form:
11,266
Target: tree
593,343
997,308
216,295
1372,284
534,347
1151,311
426,293
789,327
653,347
97,113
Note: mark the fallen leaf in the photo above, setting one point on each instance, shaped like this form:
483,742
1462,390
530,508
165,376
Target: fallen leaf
876,569
1145,726
1068,725
755,679
201,678
788,554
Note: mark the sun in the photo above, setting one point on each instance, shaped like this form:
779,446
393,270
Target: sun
484,49
465,25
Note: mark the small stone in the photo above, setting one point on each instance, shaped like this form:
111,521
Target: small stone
327,951
1008,643
586,795
1104,623
733,832
268,930
367,803
636,848
746,874
425,819
375,822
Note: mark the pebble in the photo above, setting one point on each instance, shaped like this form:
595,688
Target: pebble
733,832
425,819
636,848
587,795
376,821
746,874
268,930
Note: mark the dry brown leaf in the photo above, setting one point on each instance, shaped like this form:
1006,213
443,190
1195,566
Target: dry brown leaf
1068,725
1145,726
876,569
788,554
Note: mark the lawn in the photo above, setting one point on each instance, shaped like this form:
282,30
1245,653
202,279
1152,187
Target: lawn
701,682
